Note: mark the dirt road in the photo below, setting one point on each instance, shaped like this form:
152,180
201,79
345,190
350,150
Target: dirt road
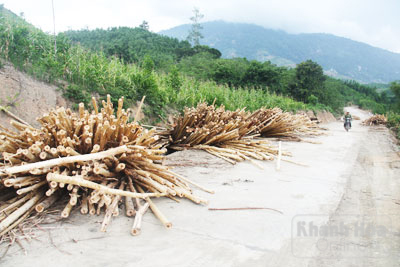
352,182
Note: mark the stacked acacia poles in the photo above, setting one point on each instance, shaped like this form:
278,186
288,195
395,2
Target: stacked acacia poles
276,123
92,160
226,134
375,120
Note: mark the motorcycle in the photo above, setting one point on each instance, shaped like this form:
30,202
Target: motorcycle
347,124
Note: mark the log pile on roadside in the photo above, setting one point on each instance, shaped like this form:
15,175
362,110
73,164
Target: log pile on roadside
376,120
276,123
229,135
233,135
94,161
88,160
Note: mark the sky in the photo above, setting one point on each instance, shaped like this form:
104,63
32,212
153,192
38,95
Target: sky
375,22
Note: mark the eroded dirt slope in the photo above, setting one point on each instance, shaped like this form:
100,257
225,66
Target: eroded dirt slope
26,97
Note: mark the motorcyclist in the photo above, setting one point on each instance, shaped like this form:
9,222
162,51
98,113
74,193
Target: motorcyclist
347,116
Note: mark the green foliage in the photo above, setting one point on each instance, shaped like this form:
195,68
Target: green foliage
174,81
198,65
394,122
395,88
229,71
77,94
312,99
261,75
192,92
369,104
148,64
131,44
145,25
309,81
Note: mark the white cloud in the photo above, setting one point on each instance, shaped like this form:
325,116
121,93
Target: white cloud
370,21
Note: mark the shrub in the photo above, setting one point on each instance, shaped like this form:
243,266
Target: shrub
77,94
312,99
394,122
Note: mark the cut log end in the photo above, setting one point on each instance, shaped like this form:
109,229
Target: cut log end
92,211
135,231
84,210
39,208
130,213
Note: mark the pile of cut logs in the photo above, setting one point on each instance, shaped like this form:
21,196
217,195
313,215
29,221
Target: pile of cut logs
376,120
91,160
97,160
229,135
276,123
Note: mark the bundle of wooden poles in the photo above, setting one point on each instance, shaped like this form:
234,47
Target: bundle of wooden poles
276,123
97,160
89,160
377,119
225,134
231,135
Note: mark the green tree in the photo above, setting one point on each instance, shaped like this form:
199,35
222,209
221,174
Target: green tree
144,25
174,81
198,65
309,81
229,71
395,88
148,64
195,31
261,75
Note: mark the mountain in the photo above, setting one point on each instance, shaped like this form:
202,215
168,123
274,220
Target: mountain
340,57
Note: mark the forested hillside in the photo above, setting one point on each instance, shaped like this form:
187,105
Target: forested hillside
306,82
339,56
131,44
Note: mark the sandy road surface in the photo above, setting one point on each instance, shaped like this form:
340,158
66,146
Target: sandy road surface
352,178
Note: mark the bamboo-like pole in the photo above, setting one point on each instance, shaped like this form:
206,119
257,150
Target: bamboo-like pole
31,188
192,183
20,211
47,202
12,115
74,196
111,209
78,180
138,110
62,161
156,211
15,204
137,223
67,210
92,208
84,205
129,207
17,222
94,103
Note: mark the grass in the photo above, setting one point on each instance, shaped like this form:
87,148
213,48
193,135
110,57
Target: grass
394,123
